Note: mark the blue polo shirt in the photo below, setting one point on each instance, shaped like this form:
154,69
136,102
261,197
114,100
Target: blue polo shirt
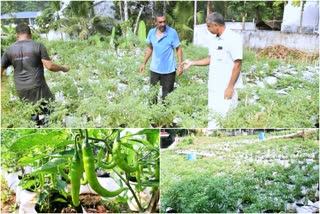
163,60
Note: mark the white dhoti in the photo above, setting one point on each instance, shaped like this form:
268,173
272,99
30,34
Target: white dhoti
223,52
217,104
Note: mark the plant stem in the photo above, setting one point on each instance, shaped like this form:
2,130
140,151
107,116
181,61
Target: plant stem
130,188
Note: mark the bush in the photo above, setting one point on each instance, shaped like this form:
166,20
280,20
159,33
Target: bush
202,194
187,141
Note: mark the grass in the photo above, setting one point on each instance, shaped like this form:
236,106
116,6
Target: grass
241,172
105,89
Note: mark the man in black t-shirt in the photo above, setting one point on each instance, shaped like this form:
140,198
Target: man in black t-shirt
28,58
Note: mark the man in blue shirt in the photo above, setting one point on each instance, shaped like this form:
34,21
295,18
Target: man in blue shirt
162,41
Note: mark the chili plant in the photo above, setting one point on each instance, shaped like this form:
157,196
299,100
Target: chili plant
58,157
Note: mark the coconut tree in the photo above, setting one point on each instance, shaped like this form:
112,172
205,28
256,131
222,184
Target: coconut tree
209,5
125,10
299,3
182,19
80,20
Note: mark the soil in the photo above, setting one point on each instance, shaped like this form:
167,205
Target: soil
8,199
284,53
94,204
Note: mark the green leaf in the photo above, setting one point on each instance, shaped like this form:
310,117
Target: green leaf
61,185
51,166
62,200
142,32
28,142
296,3
43,196
4,29
150,183
144,142
128,145
64,143
64,154
121,199
28,184
29,160
153,135
131,157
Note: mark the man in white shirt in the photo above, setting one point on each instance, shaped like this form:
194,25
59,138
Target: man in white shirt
224,60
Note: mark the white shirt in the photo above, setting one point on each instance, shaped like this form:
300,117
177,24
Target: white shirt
223,51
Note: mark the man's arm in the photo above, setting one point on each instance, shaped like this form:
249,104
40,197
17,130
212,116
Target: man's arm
234,76
146,57
202,62
54,67
179,54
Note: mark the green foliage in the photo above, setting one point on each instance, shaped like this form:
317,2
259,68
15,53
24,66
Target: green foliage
142,32
186,141
239,172
297,3
181,18
98,40
49,152
122,95
10,37
269,10
20,6
80,9
202,194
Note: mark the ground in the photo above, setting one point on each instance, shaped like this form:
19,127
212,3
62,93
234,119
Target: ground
240,174
8,198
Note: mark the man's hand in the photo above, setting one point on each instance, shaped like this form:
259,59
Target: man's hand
142,68
179,70
228,93
186,64
65,68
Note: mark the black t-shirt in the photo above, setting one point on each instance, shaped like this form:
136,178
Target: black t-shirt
25,56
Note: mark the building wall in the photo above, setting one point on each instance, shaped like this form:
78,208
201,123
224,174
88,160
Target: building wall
257,39
310,20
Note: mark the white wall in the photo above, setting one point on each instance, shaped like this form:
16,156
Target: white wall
55,35
263,38
310,20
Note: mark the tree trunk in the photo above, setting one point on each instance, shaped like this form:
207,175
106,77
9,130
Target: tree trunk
194,19
137,21
301,15
208,7
125,10
244,16
225,9
120,9
152,10
164,7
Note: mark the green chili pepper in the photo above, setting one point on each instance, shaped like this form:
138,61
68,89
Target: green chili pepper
88,160
63,174
76,173
104,165
119,159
